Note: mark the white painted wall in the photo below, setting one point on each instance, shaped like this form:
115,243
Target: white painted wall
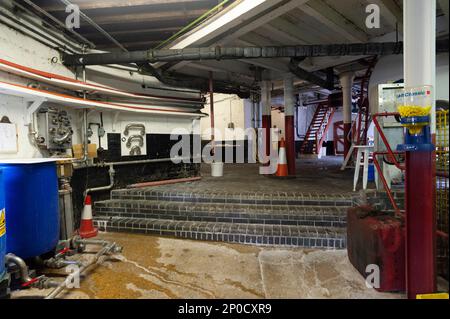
390,69
18,48
227,109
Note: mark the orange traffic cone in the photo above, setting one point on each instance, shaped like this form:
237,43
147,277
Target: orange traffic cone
282,169
87,229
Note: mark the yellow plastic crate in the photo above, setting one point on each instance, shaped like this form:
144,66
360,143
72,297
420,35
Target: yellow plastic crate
433,296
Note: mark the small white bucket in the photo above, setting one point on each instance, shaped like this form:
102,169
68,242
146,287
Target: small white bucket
217,169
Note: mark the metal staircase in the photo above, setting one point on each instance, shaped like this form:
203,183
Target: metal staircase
316,133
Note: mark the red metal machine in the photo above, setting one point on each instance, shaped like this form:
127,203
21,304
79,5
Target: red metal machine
377,239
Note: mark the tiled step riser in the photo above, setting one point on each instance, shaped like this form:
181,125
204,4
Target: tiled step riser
253,239
231,200
308,220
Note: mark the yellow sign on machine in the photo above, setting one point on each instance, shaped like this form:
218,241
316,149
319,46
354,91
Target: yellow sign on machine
2,222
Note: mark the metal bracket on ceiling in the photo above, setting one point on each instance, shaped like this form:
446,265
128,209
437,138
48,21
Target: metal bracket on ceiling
33,106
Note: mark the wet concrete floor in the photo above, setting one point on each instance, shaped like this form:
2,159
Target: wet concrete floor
157,267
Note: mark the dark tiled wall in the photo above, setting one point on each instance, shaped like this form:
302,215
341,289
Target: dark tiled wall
158,146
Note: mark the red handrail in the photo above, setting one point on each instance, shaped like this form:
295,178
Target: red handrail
383,137
386,186
391,153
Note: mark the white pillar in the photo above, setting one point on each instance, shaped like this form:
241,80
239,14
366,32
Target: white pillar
289,101
266,100
419,38
346,80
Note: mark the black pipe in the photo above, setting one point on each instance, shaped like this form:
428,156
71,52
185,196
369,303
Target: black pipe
302,74
220,53
196,83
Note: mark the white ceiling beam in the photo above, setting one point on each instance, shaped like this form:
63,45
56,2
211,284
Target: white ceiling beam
279,35
334,20
271,15
253,38
232,17
292,30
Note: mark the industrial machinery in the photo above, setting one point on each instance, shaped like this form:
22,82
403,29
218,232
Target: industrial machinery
133,139
55,130
66,214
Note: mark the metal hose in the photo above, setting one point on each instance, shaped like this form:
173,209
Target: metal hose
21,265
106,249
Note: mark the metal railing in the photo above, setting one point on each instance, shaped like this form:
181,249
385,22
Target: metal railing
392,156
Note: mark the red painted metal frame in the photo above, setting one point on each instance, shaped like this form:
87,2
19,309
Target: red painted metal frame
398,212
384,139
327,127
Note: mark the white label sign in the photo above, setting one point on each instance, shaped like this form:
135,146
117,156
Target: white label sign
8,138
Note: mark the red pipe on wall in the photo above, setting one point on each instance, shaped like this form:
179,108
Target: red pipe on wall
165,182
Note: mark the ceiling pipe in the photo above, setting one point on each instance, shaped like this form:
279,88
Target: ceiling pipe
327,83
232,53
196,83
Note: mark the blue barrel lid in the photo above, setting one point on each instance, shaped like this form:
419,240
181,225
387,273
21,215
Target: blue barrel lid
24,161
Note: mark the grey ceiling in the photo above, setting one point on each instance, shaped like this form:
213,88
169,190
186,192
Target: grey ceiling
136,24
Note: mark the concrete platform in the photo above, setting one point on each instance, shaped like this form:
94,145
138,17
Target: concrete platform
313,176
154,267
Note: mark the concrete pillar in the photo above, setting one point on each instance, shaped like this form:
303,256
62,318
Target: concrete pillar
346,80
289,126
419,31
266,110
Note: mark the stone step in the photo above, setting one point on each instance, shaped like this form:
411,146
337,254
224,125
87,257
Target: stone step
319,216
164,193
255,234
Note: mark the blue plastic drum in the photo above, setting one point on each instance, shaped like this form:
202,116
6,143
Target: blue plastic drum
31,202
